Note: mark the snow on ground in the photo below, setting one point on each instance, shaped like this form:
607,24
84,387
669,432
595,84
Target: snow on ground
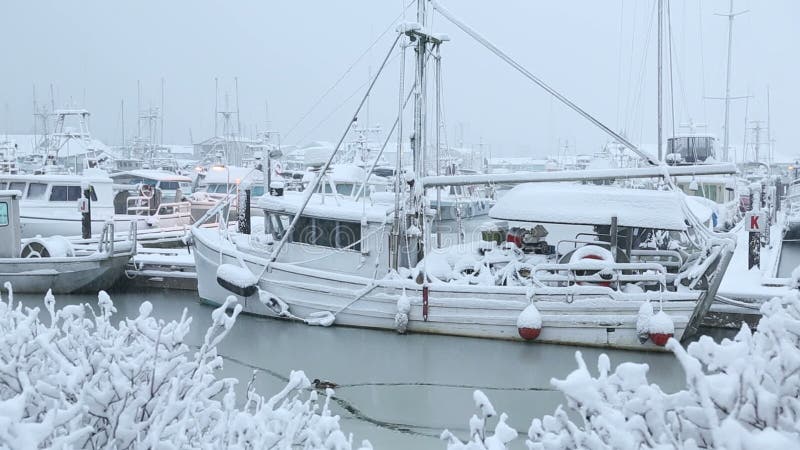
74,380
740,394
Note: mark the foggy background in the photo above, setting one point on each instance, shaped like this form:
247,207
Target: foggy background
600,54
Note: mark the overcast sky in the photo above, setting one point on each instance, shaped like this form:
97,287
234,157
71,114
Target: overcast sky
601,54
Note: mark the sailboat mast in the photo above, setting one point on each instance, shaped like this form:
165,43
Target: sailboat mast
660,79
419,95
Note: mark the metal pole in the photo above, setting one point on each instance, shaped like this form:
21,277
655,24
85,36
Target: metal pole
726,141
769,131
438,59
395,241
661,79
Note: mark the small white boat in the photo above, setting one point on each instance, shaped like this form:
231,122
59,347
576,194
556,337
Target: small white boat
49,204
37,265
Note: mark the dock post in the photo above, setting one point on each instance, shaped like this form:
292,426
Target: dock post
85,207
244,211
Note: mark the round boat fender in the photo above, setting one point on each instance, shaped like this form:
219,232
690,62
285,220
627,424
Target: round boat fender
594,252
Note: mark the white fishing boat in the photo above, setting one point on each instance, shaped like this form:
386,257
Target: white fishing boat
639,269
37,265
337,266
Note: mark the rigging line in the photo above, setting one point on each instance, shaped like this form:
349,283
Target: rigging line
336,109
499,53
619,56
630,71
315,183
640,87
363,187
346,72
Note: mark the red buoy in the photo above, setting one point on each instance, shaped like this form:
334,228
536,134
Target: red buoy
529,334
660,339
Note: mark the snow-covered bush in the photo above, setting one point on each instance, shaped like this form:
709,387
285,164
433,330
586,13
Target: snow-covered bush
78,381
740,394
478,439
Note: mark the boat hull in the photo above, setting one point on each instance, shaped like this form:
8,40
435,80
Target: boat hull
460,310
63,275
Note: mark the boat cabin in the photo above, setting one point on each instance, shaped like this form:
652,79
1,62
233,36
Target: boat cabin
334,232
608,223
691,149
57,189
148,189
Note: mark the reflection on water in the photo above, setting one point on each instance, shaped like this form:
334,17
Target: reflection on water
397,391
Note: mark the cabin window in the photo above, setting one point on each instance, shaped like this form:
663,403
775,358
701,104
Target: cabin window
17,186
3,185
168,185
258,191
3,214
36,191
345,188
347,235
68,194
327,233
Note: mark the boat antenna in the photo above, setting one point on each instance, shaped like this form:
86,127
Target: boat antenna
163,88
238,121
216,105
502,55
315,183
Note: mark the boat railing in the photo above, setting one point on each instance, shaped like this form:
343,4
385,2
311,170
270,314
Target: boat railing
180,208
141,205
106,241
600,273
670,259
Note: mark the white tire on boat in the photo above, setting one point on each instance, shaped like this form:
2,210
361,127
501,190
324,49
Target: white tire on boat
50,247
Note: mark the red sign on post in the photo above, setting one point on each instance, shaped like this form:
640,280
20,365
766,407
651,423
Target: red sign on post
756,222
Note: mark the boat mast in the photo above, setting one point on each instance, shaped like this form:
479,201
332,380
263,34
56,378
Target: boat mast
726,139
417,141
661,79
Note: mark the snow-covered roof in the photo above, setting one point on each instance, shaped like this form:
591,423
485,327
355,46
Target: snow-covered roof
232,174
90,175
152,174
341,208
591,205
27,145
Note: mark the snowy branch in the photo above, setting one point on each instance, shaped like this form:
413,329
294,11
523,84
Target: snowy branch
739,394
81,382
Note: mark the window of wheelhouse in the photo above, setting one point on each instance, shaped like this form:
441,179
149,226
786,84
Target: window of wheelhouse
68,194
17,186
327,233
36,191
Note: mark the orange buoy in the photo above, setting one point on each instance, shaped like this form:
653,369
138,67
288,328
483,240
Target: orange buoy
660,339
529,323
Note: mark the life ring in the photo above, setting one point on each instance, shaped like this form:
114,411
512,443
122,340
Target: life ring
146,191
278,168
592,252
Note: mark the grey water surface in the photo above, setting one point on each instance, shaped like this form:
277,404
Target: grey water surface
397,391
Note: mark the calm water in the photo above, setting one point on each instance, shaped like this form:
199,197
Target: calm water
397,391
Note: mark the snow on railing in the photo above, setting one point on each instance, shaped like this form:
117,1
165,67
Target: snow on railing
79,381
740,394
